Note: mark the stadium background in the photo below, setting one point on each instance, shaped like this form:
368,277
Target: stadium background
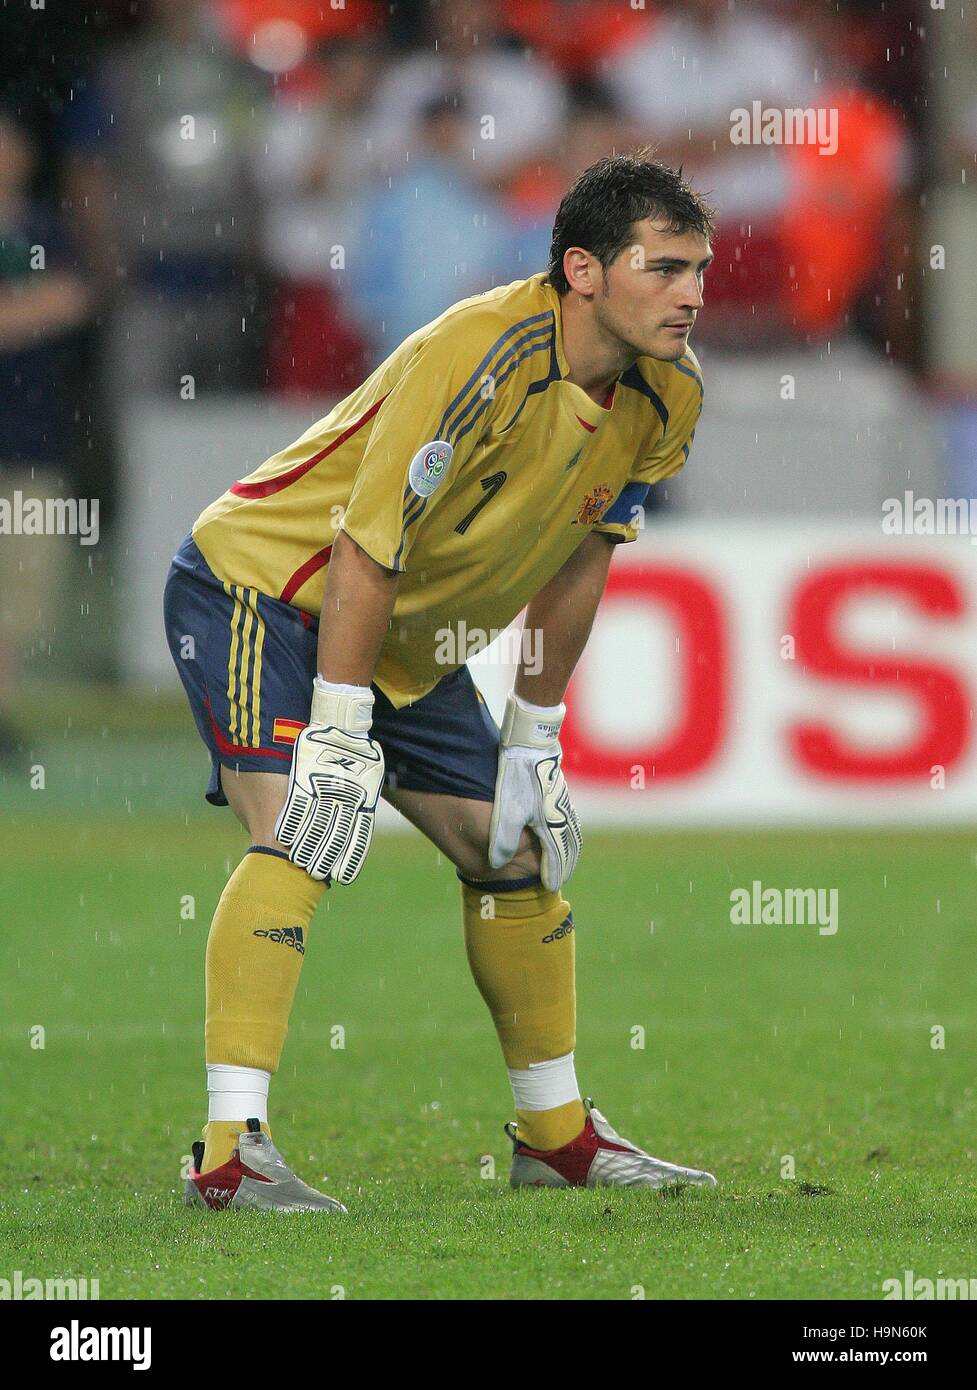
768,655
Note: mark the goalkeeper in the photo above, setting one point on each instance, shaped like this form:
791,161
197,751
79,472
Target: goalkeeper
489,465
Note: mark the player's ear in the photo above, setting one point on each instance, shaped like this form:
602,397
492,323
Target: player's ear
578,267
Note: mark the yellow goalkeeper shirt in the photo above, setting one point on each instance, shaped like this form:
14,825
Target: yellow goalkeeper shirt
468,463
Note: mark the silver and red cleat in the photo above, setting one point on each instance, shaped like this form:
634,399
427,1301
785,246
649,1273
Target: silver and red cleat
255,1178
598,1157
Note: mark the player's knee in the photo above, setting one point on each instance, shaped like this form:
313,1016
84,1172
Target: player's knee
525,863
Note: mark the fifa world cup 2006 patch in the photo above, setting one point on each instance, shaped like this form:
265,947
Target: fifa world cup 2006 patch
429,466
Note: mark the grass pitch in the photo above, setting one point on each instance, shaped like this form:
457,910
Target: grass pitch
767,1050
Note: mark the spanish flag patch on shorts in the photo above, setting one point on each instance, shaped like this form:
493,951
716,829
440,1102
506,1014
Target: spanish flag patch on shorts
287,730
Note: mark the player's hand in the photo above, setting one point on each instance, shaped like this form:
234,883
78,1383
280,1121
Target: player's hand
327,821
530,789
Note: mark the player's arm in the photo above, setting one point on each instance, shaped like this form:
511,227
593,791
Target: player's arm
530,788
562,615
337,768
356,611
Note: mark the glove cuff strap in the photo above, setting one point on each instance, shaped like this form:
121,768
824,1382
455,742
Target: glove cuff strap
531,726
347,707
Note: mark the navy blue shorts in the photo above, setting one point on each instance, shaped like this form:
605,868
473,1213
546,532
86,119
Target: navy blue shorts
247,663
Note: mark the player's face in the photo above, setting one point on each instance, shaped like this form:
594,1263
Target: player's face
653,291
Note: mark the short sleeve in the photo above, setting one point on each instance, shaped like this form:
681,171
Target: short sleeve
623,519
442,405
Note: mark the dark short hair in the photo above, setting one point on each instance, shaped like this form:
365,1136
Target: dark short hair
600,208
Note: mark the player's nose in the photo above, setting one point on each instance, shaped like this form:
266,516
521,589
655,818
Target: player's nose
691,293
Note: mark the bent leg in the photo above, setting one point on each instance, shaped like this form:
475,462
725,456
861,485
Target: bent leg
255,951
520,945
246,662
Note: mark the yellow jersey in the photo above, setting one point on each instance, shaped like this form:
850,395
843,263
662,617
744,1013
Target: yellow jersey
468,463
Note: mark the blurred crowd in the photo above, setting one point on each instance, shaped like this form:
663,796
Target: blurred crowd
268,195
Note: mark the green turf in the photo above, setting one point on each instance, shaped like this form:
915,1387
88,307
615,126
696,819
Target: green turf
760,1042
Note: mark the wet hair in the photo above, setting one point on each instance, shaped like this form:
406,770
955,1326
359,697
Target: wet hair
600,208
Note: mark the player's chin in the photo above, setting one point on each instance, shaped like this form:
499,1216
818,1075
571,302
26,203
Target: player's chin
670,345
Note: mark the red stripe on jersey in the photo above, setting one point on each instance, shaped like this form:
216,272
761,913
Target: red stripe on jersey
284,480
586,424
304,572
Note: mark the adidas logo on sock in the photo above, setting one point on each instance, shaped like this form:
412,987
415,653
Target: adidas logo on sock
290,936
564,929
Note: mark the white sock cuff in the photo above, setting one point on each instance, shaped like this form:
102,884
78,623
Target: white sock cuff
545,1085
237,1093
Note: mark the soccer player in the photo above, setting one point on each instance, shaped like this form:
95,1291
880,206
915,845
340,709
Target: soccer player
493,461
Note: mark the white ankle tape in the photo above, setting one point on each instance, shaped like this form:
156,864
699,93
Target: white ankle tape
237,1093
545,1085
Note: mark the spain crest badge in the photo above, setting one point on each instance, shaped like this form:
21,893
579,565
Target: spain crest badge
594,505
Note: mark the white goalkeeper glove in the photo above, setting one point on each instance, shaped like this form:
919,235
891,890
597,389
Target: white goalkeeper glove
530,789
327,821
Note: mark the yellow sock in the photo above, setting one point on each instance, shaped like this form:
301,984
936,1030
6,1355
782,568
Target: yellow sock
550,1129
522,957
254,957
220,1141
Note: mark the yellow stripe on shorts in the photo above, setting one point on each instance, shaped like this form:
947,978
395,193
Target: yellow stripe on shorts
232,672
244,693
259,642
